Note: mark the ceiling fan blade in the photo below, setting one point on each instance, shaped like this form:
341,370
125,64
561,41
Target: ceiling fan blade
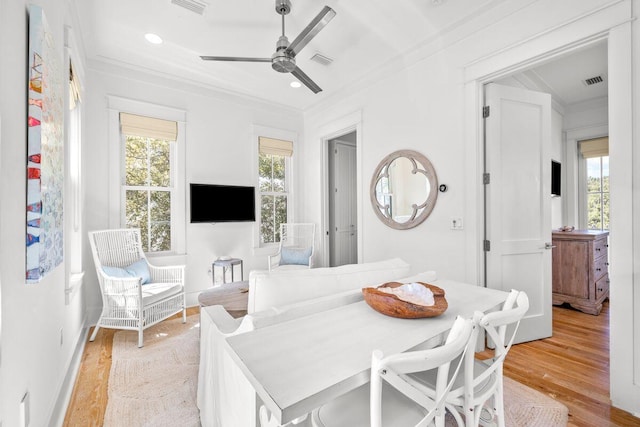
234,58
314,27
305,80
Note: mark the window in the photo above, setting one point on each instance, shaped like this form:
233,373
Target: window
598,193
147,191
596,156
274,164
74,140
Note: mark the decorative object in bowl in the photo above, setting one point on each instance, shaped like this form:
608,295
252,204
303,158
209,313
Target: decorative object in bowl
391,305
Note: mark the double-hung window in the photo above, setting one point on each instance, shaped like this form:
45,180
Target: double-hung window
147,190
596,157
274,171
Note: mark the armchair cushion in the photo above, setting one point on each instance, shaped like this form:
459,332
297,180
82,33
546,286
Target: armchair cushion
137,269
155,292
297,256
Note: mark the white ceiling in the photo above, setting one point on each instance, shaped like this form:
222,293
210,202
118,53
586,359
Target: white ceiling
364,36
564,77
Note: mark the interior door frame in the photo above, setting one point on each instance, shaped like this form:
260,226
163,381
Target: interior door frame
477,75
333,130
614,26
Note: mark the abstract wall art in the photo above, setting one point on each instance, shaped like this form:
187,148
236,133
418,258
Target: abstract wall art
45,152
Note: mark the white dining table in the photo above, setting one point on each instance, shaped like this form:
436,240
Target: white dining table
298,365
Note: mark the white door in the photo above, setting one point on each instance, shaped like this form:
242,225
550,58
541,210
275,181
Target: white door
343,230
518,214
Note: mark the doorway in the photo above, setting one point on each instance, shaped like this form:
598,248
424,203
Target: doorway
342,195
617,34
577,84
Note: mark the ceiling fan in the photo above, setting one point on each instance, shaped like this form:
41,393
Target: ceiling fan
284,58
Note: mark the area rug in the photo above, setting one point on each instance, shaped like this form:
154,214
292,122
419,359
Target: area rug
156,385
526,407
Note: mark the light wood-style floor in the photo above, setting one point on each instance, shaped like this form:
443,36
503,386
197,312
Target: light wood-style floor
572,367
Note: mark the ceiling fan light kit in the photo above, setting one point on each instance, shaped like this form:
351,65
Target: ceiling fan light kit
283,59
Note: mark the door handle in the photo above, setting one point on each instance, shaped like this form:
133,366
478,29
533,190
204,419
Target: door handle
549,245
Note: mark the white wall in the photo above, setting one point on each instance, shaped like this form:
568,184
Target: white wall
426,107
31,356
220,150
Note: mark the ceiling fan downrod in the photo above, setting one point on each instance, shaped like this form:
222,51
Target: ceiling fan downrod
282,61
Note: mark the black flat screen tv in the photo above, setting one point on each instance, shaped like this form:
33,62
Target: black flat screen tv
556,172
222,203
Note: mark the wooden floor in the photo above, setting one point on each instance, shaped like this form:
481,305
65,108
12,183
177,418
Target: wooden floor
89,398
572,367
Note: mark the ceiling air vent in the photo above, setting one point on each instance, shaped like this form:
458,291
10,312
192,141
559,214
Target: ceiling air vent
593,80
192,5
321,59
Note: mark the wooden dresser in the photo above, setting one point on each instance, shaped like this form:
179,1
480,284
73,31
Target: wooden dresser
580,269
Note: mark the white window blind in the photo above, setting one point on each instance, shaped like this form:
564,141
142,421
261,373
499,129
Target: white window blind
597,147
148,127
276,147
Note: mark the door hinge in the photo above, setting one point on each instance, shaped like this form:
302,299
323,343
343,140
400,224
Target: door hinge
486,111
486,178
486,245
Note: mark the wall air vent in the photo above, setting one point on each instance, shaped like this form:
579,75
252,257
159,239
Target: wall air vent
321,59
196,6
593,80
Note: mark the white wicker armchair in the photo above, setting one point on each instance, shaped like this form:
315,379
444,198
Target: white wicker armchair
127,302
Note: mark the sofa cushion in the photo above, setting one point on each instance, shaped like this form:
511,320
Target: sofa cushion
277,288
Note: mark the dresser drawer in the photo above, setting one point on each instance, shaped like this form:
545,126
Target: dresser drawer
602,286
600,247
600,267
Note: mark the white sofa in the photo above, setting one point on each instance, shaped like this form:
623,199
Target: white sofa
225,397
281,287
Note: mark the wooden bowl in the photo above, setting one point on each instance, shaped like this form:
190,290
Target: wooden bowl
391,305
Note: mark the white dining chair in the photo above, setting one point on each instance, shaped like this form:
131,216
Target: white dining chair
478,392
393,398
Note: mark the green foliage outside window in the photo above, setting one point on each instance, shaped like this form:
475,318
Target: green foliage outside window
273,197
598,193
148,192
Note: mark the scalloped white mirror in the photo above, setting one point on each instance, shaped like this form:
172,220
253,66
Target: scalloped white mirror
404,189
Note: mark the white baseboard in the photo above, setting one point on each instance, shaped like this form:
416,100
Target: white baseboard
66,389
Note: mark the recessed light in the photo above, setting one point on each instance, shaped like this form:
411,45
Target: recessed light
295,84
153,38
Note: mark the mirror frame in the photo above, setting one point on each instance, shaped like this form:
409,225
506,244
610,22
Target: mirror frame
418,160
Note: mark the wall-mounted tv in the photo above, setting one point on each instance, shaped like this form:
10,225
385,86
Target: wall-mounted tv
556,179
222,203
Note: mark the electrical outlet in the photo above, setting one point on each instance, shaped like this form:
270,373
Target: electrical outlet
456,223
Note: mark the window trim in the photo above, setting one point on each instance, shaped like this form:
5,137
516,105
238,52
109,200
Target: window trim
286,135
115,106
584,220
